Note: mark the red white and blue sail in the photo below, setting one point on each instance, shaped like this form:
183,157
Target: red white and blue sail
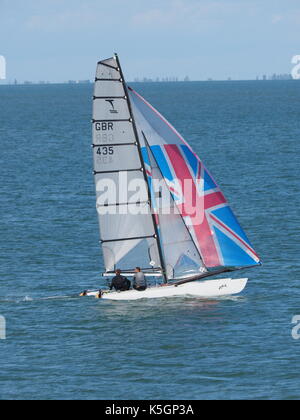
214,229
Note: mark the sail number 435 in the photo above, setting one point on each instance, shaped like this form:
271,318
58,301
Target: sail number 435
105,150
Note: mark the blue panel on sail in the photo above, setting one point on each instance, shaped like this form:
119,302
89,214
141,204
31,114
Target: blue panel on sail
139,253
145,156
191,158
162,162
233,255
185,266
226,216
209,183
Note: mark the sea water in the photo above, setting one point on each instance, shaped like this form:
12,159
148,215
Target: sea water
58,346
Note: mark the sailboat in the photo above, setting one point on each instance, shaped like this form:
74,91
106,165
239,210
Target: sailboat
164,211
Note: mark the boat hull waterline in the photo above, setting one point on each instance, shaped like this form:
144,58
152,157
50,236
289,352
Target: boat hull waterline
203,289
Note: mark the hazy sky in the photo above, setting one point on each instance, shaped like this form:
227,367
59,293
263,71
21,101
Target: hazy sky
59,40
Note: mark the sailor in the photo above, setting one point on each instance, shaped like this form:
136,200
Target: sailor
119,282
139,280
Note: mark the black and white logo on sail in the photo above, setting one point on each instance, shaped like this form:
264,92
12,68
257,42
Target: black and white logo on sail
112,110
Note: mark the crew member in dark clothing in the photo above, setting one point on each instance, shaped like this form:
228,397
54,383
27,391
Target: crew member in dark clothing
119,282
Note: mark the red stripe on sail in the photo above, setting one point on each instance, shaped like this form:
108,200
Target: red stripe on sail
202,231
214,199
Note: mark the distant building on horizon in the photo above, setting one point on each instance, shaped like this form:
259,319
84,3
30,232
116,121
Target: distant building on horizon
284,76
160,79
274,76
78,82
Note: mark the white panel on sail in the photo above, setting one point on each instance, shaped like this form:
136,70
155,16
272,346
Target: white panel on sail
161,130
113,132
181,256
126,254
125,221
107,69
116,158
109,89
111,109
126,187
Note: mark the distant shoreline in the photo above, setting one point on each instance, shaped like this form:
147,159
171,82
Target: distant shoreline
145,83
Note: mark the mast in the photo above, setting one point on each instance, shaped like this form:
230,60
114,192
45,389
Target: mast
160,251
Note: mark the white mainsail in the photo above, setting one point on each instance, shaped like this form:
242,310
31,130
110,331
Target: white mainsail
127,229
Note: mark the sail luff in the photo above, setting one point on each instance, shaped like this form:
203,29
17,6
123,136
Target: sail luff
161,256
